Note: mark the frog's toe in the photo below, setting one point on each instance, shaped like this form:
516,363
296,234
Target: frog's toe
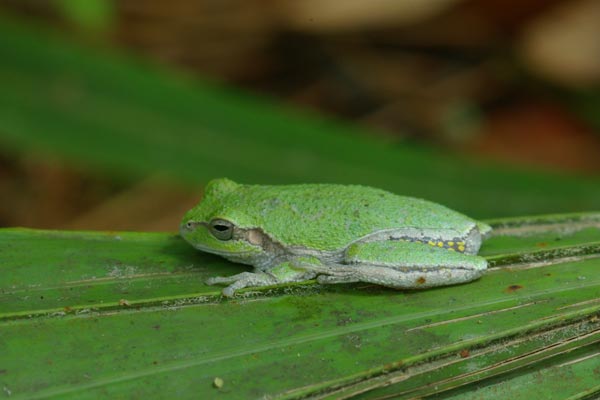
331,279
228,291
215,280
244,276
243,280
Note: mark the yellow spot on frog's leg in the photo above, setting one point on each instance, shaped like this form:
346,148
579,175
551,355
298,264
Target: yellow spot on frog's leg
460,243
461,247
451,249
431,243
450,244
440,244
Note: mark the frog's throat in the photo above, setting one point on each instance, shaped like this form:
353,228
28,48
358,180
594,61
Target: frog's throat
273,252
262,252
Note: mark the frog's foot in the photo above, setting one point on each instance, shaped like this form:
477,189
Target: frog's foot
215,280
330,279
290,271
243,280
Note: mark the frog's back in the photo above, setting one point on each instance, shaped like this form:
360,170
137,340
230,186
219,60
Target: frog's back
330,217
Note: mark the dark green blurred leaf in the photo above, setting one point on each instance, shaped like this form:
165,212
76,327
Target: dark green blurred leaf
116,114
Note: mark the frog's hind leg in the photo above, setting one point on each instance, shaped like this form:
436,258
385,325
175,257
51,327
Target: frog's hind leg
401,264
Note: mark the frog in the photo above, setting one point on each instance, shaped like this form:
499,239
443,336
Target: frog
334,233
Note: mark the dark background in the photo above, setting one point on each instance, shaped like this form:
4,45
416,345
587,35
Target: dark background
513,82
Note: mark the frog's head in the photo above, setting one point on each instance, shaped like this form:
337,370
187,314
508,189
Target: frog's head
212,225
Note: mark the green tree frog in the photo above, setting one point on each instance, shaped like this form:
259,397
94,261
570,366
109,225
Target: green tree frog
334,233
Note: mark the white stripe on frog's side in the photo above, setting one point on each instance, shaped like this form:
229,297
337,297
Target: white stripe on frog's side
468,241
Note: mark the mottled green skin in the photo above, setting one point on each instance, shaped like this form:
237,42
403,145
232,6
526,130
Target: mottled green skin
331,225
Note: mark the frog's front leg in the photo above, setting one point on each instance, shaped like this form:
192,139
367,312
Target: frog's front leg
403,265
242,280
290,271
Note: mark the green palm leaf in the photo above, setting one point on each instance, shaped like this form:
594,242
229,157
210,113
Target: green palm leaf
86,314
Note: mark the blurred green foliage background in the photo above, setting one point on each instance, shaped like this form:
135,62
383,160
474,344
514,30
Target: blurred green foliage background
114,114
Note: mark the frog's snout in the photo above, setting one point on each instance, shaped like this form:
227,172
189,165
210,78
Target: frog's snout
187,227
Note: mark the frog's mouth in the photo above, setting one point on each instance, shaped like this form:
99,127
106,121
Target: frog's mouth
239,246
253,256
224,253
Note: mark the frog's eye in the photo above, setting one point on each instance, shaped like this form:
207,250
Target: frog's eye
221,229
